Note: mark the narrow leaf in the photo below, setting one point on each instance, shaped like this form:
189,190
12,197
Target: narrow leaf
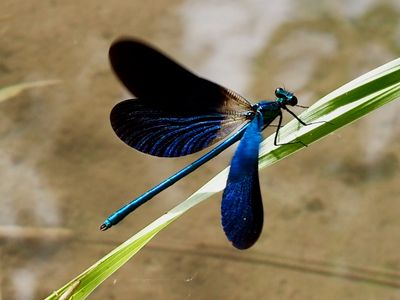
13,90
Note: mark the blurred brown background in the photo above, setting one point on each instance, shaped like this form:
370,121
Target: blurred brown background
332,211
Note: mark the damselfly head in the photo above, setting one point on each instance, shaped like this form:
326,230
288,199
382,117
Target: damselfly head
285,97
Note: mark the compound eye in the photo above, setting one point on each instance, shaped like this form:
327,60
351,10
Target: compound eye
279,92
293,101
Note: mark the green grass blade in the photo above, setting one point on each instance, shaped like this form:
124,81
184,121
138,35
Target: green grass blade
339,108
85,283
8,92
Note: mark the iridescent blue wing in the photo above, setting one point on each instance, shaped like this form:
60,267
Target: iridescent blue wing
241,208
176,113
170,134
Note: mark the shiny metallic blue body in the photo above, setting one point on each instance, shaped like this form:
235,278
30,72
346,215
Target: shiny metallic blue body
187,114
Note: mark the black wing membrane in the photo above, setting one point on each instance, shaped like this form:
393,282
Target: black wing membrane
152,76
176,113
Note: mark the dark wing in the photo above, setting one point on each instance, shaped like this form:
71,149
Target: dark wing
149,74
170,134
241,208
177,112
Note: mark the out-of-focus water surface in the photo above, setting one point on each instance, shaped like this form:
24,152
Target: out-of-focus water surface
332,211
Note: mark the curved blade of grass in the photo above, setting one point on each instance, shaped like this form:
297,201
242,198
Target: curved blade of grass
13,90
337,109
